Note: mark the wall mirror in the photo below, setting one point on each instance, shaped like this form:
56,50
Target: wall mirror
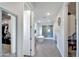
59,21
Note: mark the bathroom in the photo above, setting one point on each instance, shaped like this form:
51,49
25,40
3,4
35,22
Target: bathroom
44,30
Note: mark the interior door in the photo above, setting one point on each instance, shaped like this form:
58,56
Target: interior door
0,32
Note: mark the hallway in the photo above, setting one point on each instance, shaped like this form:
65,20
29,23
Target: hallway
47,49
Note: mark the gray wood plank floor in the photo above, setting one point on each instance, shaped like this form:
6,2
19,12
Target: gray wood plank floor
47,49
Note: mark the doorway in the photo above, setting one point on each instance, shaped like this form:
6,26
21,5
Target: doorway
8,33
72,29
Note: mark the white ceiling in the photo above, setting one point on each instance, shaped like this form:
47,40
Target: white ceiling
41,8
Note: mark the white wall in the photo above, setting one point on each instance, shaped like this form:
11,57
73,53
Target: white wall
71,24
61,31
13,34
16,8
26,33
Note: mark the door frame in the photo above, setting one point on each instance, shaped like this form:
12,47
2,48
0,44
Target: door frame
32,48
3,9
77,30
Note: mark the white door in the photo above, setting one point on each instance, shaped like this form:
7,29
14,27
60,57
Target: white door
0,33
26,33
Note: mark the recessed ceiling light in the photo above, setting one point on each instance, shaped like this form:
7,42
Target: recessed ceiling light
9,14
47,13
39,21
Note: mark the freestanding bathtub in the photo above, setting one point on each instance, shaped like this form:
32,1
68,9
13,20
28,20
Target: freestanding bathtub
40,38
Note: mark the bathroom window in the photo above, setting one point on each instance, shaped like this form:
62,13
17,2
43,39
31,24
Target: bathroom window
47,30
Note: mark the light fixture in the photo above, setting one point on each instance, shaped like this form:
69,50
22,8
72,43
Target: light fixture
9,14
48,30
48,14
